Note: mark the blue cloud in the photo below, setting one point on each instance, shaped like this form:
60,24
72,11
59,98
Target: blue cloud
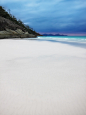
50,16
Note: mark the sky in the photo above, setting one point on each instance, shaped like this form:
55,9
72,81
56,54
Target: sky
50,16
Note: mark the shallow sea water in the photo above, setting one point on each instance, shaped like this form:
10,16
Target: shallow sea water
65,38
78,41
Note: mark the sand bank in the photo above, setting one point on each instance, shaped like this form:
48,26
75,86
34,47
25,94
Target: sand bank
42,78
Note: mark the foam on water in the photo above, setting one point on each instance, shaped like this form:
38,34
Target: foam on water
64,38
78,41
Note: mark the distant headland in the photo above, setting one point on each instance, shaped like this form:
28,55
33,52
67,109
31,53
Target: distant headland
53,35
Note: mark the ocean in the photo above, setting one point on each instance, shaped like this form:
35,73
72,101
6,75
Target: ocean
64,38
78,41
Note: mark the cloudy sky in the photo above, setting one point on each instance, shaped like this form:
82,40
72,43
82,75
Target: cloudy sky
50,16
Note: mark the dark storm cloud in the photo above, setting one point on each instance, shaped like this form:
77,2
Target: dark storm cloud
50,16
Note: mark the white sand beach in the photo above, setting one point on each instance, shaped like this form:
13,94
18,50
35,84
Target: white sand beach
42,78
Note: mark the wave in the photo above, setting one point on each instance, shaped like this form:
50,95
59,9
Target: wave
64,38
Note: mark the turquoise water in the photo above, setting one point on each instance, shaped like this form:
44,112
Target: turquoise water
77,41
64,38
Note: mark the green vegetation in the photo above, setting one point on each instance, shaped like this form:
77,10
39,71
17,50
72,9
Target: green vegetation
5,14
